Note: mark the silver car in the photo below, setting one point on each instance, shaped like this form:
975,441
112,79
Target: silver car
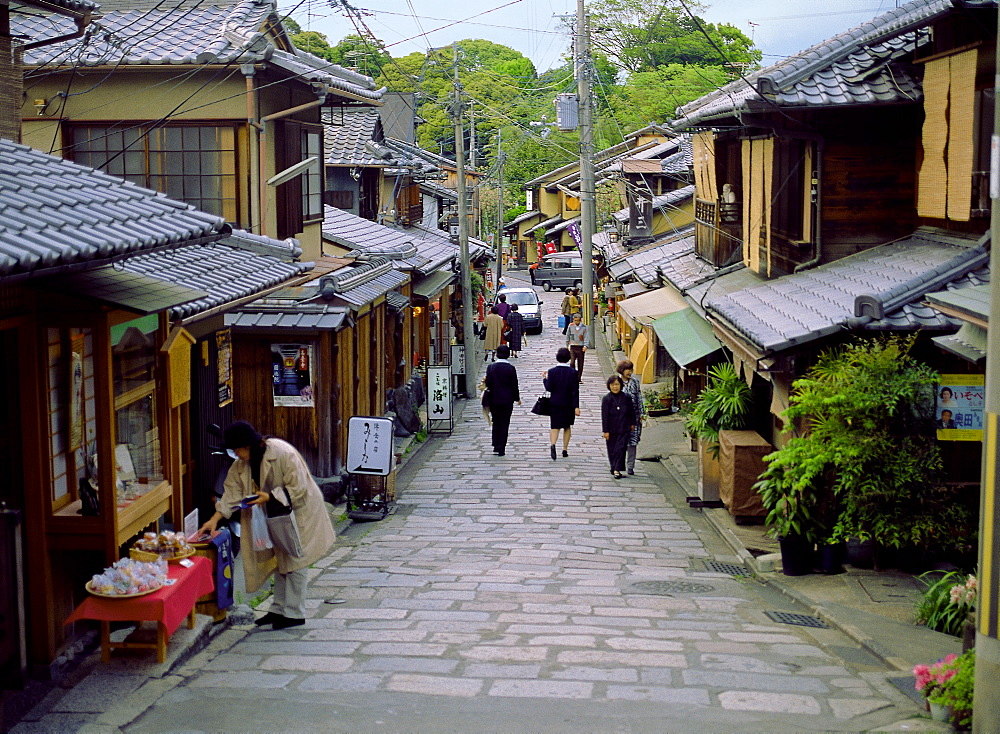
528,306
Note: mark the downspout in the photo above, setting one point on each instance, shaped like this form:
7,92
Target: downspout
81,20
817,195
253,149
262,148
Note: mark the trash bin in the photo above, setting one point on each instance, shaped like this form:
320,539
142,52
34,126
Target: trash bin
219,550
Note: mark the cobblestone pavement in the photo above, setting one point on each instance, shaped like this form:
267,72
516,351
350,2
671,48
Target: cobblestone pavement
523,594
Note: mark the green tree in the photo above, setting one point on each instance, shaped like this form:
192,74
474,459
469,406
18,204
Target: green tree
642,35
654,96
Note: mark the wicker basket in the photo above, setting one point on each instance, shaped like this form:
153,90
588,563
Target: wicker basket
371,487
140,555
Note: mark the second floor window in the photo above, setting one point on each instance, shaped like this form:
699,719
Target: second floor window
191,163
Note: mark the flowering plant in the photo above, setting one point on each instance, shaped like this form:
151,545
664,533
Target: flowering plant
931,678
956,689
964,594
946,604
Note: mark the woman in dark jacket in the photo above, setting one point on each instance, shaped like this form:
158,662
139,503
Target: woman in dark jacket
515,322
563,384
617,422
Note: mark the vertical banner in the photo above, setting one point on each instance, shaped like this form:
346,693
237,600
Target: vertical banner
960,407
224,365
291,375
574,232
76,350
439,392
458,359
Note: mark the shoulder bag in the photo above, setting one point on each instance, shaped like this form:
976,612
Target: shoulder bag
281,525
543,405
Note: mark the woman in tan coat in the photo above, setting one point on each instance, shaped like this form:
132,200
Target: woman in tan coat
274,471
493,323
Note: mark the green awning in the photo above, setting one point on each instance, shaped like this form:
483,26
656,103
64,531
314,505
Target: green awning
686,336
430,285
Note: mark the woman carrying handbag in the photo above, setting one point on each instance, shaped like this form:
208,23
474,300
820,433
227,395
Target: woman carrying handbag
563,385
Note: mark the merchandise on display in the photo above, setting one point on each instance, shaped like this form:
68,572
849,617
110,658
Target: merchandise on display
128,576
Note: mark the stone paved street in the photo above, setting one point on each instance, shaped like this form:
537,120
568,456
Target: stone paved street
523,594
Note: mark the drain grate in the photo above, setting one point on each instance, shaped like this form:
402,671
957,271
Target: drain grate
802,620
668,587
726,568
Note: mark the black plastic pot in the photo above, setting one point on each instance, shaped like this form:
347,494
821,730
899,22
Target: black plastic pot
796,555
860,553
831,558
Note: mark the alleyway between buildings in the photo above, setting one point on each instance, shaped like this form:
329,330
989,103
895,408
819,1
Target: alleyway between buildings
520,594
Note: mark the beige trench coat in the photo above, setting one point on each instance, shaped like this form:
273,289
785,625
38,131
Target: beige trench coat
494,331
283,466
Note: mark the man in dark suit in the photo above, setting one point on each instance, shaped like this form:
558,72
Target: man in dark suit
501,381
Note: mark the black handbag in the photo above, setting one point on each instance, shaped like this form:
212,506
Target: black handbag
486,398
542,406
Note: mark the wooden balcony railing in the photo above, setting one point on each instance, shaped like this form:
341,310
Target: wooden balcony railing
718,231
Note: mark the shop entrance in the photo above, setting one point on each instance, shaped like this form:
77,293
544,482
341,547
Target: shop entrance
12,630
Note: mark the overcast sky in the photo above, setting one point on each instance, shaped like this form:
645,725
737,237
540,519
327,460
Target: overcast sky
781,27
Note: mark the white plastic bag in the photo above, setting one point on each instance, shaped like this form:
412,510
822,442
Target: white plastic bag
258,529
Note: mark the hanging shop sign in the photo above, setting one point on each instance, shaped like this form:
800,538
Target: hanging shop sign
369,445
291,375
224,365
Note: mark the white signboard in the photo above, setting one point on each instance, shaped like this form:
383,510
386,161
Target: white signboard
369,445
458,359
439,393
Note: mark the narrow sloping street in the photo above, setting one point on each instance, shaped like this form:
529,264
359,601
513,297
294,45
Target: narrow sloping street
518,593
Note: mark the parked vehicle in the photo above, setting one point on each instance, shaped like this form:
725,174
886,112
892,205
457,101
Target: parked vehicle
559,270
528,306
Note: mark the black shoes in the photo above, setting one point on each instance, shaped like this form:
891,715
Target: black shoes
618,475
269,618
552,450
565,453
500,453
631,472
286,622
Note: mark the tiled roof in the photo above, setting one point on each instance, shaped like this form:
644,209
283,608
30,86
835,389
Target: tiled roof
853,67
73,6
302,316
415,152
664,202
233,268
216,33
54,213
344,139
410,248
875,289
439,190
680,162
920,314
644,265
689,270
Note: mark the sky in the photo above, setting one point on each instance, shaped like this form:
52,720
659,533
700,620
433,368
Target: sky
778,27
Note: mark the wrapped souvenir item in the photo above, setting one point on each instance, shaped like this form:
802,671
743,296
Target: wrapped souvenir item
129,576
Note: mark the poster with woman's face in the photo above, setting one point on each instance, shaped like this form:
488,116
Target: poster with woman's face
959,407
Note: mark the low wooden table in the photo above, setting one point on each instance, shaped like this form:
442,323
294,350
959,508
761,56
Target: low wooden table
168,607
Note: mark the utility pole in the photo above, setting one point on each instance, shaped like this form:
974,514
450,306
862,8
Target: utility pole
472,136
986,707
499,240
588,189
468,336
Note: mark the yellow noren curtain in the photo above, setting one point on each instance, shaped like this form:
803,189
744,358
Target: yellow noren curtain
961,113
944,186
758,164
703,149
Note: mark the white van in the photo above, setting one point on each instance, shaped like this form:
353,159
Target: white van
559,270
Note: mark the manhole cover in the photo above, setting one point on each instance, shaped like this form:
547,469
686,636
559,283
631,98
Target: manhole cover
802,620
726,568
888,591
669,587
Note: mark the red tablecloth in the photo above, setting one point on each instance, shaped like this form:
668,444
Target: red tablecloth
169,605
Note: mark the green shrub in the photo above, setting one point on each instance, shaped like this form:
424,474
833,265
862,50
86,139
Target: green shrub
936,609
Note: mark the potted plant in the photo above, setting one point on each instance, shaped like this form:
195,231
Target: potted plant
665,398
724,405
955,690
791,508
948,604
929,679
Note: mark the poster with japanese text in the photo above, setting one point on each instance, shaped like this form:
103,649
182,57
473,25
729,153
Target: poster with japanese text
959,407
291,375
439,392
369,445
224,365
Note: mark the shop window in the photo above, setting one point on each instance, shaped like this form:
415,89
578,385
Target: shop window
192,163
138,459
72,413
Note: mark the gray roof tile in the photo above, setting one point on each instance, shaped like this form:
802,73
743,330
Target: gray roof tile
854,67
222,33
876,289
644,265
83,214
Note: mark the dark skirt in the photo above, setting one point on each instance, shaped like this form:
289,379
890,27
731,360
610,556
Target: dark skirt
562,417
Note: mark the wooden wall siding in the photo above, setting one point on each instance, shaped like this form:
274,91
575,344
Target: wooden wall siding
364,360
254,398
376,344
345,394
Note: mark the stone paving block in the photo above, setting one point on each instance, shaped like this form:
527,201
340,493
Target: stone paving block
406,665
848,708
491,653
633,659
307,664
398,648
803,651
366,614
693,696
745,664
435,685
342,682
754,681
757,637
357,635
643,645
232,661
778,703
564,640
494,606
494,670
97,692
541,689
242,680
297,647
53,724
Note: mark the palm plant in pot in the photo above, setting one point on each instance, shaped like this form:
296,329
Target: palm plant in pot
724,405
